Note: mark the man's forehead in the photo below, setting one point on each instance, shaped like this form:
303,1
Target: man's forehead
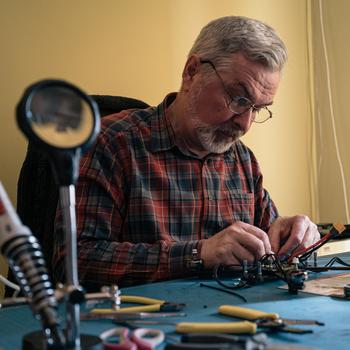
252,79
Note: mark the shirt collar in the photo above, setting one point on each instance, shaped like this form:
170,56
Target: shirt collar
162,133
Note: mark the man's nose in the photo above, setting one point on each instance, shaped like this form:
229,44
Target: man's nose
244,119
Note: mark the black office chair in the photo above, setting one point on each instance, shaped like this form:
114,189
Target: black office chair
37,193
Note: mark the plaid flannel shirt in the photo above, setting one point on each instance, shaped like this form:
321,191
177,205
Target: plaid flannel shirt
143,205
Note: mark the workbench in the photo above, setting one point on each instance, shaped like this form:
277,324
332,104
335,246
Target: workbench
201,306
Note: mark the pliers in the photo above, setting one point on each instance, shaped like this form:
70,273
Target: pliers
254,319
227,342
149,305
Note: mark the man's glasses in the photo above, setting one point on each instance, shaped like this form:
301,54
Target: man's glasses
240,104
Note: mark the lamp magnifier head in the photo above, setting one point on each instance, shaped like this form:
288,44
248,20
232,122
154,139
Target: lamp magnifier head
62,121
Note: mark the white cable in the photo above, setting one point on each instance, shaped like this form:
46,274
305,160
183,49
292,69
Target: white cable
9,284
312,154
329,89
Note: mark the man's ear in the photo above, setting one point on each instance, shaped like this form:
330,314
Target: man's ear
191,68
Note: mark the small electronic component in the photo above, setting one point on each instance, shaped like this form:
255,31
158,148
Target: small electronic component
294,269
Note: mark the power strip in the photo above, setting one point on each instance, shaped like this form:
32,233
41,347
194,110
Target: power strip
334,247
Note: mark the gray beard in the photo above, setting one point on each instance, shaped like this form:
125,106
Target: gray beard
217,139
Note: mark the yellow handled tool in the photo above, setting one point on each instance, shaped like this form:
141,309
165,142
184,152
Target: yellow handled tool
148,305
243,327
246,314
145,308
140,300
271,321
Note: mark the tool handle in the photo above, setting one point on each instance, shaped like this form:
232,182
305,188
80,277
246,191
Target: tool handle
147,338
140,300
143,308
217,327
246,313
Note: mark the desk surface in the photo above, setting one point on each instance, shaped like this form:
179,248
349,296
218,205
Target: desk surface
202,304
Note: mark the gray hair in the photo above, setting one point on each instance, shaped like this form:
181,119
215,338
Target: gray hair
222,37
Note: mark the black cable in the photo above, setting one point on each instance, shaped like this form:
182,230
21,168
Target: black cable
217,279
225,291
276,262
306,255
330,262
336,260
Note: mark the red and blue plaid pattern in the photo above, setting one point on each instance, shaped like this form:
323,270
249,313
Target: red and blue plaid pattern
142,205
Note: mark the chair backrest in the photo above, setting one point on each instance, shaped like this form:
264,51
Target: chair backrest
37,193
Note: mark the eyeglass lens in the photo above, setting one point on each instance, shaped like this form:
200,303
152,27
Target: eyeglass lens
240,105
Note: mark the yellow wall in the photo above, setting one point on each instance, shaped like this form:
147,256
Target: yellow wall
332,75
137,48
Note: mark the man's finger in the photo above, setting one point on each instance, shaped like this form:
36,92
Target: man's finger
299,233
311,236
253,244
259,235
241,253
293,242
274,235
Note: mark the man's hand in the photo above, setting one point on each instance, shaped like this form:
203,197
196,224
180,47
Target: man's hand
236,243
289,233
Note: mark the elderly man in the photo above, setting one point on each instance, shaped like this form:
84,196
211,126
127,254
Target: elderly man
172,187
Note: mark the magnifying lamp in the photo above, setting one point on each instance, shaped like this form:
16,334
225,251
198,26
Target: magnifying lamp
62,121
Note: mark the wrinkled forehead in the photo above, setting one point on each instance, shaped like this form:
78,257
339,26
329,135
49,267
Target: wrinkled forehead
254,80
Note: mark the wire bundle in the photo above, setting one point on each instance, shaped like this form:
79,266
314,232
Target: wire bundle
304,253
